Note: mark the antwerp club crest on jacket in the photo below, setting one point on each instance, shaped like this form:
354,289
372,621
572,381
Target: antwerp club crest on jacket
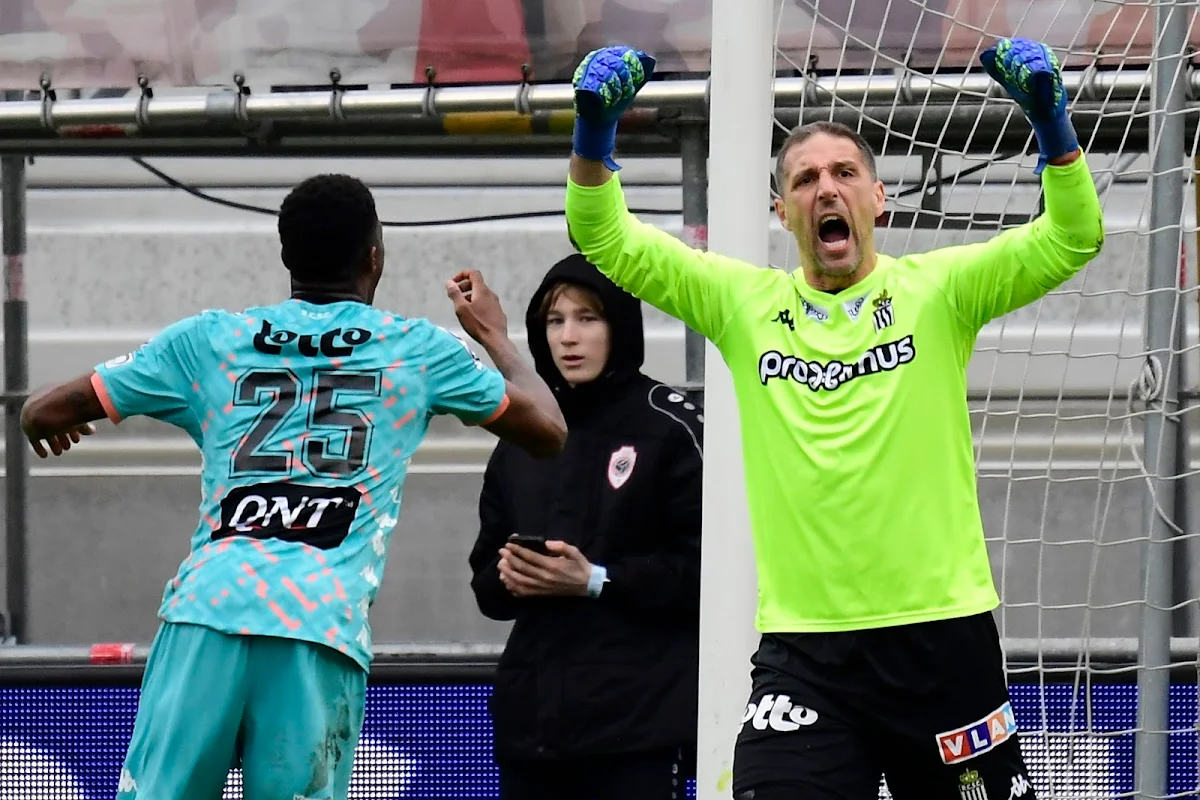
620,465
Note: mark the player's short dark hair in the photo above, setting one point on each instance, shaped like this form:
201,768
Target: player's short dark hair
327,226
829,128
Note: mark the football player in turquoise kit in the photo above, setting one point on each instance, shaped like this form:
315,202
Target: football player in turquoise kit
307,414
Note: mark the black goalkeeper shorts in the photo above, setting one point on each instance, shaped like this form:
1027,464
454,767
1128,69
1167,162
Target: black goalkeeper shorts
924,705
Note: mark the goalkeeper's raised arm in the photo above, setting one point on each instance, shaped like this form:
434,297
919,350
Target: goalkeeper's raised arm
700,288
1019,266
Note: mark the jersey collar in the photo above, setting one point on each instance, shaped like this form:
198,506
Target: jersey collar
322,298
866,285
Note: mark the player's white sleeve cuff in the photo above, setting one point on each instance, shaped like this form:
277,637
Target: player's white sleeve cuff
596,580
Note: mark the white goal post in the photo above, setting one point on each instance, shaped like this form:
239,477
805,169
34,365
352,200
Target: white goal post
742,107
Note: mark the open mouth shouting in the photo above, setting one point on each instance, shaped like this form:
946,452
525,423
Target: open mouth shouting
834,236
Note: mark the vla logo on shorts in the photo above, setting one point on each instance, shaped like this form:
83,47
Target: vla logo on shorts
979,737
620,465
829,376
777,713
814,312
970,786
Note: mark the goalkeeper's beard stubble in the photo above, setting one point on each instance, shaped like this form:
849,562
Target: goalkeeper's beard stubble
834,260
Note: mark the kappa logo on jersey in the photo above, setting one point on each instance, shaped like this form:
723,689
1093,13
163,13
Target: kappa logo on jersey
884,316
854,307
784,317
467,347
620,465
979,737
814,312
317,516
829,376
778,714
126,784
337,343
970,786
1020,786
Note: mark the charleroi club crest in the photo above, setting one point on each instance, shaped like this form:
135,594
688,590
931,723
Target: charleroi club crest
620,465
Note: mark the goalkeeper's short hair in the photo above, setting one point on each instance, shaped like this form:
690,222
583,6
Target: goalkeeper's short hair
800,134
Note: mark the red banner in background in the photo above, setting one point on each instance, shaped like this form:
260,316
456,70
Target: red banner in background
108,43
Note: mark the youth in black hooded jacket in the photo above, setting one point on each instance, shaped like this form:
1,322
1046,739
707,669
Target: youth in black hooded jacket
615,674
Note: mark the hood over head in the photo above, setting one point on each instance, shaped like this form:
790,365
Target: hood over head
622,311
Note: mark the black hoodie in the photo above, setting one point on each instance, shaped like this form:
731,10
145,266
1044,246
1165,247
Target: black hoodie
618,673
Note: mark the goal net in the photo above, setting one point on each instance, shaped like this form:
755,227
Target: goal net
1080,453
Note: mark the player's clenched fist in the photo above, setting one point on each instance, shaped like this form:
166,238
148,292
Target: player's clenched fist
476,306
1030,73
605,83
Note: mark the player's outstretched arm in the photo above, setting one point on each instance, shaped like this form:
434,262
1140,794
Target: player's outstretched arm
155,380
532,419
55,417
1023,264
697,287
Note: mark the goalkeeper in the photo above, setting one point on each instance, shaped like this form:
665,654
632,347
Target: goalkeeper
878,654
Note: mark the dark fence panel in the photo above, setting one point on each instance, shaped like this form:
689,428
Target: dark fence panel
66,716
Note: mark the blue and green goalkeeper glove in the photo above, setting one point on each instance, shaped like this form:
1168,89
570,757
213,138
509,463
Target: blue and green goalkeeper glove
606,82
1030,73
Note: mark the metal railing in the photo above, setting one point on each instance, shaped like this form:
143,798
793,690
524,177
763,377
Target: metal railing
898,106
1055,660
122,664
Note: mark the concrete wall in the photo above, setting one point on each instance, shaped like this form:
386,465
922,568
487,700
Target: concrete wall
113,258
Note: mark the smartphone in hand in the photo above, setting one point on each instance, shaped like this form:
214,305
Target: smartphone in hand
535,543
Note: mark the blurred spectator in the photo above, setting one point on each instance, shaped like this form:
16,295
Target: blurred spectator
595,695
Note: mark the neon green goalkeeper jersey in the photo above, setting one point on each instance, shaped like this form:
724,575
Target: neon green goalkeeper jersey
859,458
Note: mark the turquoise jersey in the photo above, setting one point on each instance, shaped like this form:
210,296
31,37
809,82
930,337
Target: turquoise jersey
859,457
307,416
